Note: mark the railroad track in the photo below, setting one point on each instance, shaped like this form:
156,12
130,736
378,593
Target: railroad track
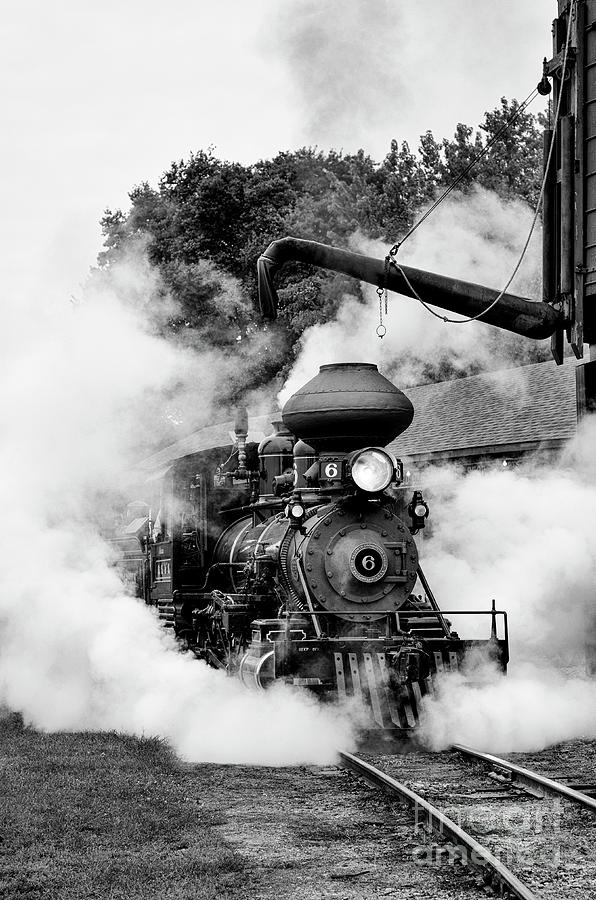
526,835
533,783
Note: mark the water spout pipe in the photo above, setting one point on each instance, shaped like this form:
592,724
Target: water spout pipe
512,313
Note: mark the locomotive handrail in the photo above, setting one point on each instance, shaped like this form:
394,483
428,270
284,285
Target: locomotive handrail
409,612
432,600
312,613
482,612
528,318
417,613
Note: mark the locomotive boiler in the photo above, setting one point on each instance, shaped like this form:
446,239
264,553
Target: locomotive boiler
296,560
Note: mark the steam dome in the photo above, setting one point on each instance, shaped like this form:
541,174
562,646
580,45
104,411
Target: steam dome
347,406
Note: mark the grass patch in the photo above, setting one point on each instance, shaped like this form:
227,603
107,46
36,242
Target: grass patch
99,816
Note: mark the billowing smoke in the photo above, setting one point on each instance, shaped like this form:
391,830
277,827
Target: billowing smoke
525,538
477,237
79,382
342,58
363,73
528,710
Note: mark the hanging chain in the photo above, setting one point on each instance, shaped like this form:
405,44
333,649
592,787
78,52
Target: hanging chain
381,330
382,295
390,258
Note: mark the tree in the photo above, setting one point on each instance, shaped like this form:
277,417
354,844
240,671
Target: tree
209,220
511,167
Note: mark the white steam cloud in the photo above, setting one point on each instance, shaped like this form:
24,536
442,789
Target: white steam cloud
528,710
477,237
78,383
525,538
363,73
342,58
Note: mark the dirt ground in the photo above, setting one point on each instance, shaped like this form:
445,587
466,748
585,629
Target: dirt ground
321,833
110,817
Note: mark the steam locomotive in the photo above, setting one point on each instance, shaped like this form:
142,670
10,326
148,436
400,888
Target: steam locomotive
295,560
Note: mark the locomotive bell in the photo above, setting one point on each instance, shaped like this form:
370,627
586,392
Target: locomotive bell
348,406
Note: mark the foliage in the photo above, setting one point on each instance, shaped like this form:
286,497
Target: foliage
208,221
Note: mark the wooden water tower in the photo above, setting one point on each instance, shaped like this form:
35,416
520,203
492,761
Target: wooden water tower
569,216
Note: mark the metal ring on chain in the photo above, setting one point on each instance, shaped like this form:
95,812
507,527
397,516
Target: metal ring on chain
381,331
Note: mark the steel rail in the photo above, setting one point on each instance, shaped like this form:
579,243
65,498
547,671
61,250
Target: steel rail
526,777
477,856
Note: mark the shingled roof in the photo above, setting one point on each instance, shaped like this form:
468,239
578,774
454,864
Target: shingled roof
514,410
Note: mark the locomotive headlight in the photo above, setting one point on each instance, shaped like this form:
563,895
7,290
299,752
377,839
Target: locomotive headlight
296,512
372,469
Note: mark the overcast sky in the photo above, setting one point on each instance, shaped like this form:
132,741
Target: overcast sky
99,95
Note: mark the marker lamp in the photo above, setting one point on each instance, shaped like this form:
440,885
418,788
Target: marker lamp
372,470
